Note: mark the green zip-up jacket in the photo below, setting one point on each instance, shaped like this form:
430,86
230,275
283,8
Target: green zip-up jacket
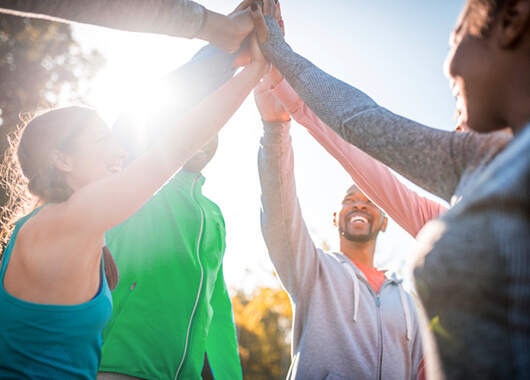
171,304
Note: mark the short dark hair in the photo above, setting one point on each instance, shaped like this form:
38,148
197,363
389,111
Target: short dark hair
481,14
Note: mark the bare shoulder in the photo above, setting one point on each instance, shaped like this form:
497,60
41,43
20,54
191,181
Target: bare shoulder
50,266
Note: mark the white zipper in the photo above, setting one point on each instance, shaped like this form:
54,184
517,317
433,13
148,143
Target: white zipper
200,285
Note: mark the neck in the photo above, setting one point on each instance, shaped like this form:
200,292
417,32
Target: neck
360,252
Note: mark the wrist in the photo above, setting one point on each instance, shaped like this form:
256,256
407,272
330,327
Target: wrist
257,68
276,119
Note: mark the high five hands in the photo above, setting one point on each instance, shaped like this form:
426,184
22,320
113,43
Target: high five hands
269,8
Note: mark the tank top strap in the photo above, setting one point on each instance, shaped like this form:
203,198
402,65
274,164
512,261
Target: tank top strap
9,247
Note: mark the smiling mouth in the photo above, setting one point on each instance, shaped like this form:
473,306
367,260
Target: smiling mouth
114,168
358,219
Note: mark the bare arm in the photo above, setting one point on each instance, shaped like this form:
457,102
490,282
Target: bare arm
104,203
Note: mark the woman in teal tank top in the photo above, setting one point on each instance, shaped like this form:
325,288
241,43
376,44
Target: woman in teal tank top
43,341
54,299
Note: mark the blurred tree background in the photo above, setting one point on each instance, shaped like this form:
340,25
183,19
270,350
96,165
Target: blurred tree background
40,65
263,321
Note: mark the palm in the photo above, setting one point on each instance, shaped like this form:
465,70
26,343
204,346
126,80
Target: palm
270,108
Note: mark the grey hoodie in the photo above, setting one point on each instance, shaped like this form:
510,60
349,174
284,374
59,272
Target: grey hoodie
342,329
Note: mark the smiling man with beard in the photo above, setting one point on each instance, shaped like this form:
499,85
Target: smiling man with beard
350,320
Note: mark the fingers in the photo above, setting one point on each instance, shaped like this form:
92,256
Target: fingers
242,6
259,22
269,8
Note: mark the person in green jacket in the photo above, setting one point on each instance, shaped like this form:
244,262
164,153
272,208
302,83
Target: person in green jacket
171,306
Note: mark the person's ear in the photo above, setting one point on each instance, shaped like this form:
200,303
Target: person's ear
384,224
335,221
513,21
62,161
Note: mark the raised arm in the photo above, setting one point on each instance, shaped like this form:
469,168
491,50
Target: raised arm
410,210
104,203
433,159
177,18
290,247
183,88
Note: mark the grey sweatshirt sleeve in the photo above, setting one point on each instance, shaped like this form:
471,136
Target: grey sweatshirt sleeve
291,249
177,18
431,158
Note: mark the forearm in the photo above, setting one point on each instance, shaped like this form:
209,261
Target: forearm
419,153
109,201
290,247
178,18
406,207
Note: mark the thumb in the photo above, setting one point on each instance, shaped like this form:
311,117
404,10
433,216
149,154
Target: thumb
259,22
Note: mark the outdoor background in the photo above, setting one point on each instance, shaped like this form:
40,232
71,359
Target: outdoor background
392,50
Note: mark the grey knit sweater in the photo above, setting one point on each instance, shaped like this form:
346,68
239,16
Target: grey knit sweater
473,265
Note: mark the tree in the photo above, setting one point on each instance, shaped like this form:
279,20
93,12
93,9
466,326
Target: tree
40,64
263,322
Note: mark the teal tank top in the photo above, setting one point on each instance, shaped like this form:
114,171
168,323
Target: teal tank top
39,341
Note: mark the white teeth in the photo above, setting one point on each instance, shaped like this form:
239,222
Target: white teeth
358,218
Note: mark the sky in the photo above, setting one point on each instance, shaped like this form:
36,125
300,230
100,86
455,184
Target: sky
392,50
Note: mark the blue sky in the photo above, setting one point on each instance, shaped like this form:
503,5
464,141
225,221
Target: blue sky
392,50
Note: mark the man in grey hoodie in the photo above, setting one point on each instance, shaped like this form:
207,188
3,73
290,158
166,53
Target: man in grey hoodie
350,320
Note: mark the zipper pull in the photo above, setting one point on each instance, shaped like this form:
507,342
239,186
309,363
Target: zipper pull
133,285
378,302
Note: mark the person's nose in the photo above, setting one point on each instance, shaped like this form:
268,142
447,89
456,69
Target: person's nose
447,66
360,206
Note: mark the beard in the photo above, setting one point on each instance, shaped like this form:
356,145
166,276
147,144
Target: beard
359,238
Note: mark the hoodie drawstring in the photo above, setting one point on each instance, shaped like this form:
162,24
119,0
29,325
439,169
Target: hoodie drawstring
405,310
356,296
356,290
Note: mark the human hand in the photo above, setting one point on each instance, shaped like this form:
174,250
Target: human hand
244,58
274,76
269,8
269,107
257,58
244,5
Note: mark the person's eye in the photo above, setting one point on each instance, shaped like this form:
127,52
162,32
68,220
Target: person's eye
105,139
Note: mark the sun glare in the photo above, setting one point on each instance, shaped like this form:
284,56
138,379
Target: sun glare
136,64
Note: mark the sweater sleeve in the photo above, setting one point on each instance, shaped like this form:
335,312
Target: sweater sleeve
291,249
221,345
431,158
177,18
410,210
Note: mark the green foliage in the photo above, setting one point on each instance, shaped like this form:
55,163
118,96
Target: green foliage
263,322
40,64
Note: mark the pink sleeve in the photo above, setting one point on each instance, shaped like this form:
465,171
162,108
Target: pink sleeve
410,210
